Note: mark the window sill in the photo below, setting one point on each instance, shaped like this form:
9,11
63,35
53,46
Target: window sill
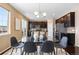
3,34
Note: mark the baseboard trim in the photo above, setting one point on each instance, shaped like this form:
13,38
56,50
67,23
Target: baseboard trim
5,50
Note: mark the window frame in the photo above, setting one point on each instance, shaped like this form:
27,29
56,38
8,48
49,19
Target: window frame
8,22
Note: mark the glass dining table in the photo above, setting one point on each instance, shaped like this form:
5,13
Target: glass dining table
38,45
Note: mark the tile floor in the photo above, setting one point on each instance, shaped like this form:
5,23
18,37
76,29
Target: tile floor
59,52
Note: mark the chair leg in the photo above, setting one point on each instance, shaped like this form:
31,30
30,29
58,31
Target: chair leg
31,53
54,51
25,53
16,49
12,51
22,52
51,53
40,53
65,52
35,53
61,49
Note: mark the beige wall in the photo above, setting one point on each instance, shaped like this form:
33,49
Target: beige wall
5,39
77,27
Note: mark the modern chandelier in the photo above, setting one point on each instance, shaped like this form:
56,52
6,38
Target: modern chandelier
39,14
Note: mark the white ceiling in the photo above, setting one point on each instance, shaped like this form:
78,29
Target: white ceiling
52,9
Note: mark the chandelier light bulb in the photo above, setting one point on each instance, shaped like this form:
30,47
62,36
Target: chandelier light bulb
37,16
36,13
44,14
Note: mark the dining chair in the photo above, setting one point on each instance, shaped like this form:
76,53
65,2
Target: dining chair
29,47
48,47
15,44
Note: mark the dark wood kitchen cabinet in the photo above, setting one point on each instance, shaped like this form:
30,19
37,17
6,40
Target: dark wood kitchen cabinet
68,20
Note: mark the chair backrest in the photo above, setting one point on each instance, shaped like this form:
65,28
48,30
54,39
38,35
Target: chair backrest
63,42
45,38
14,41
32,39
48,46
30,47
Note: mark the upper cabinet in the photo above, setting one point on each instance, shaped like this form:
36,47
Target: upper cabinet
36,24
68,20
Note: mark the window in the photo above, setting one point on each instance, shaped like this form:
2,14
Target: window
17,24
24,25
4,19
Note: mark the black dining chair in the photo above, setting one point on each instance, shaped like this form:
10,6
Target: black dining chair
29,47
47,47
15,44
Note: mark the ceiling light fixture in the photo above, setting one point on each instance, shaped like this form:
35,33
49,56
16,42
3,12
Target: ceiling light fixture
39,13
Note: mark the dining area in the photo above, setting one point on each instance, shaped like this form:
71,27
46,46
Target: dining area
37,45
